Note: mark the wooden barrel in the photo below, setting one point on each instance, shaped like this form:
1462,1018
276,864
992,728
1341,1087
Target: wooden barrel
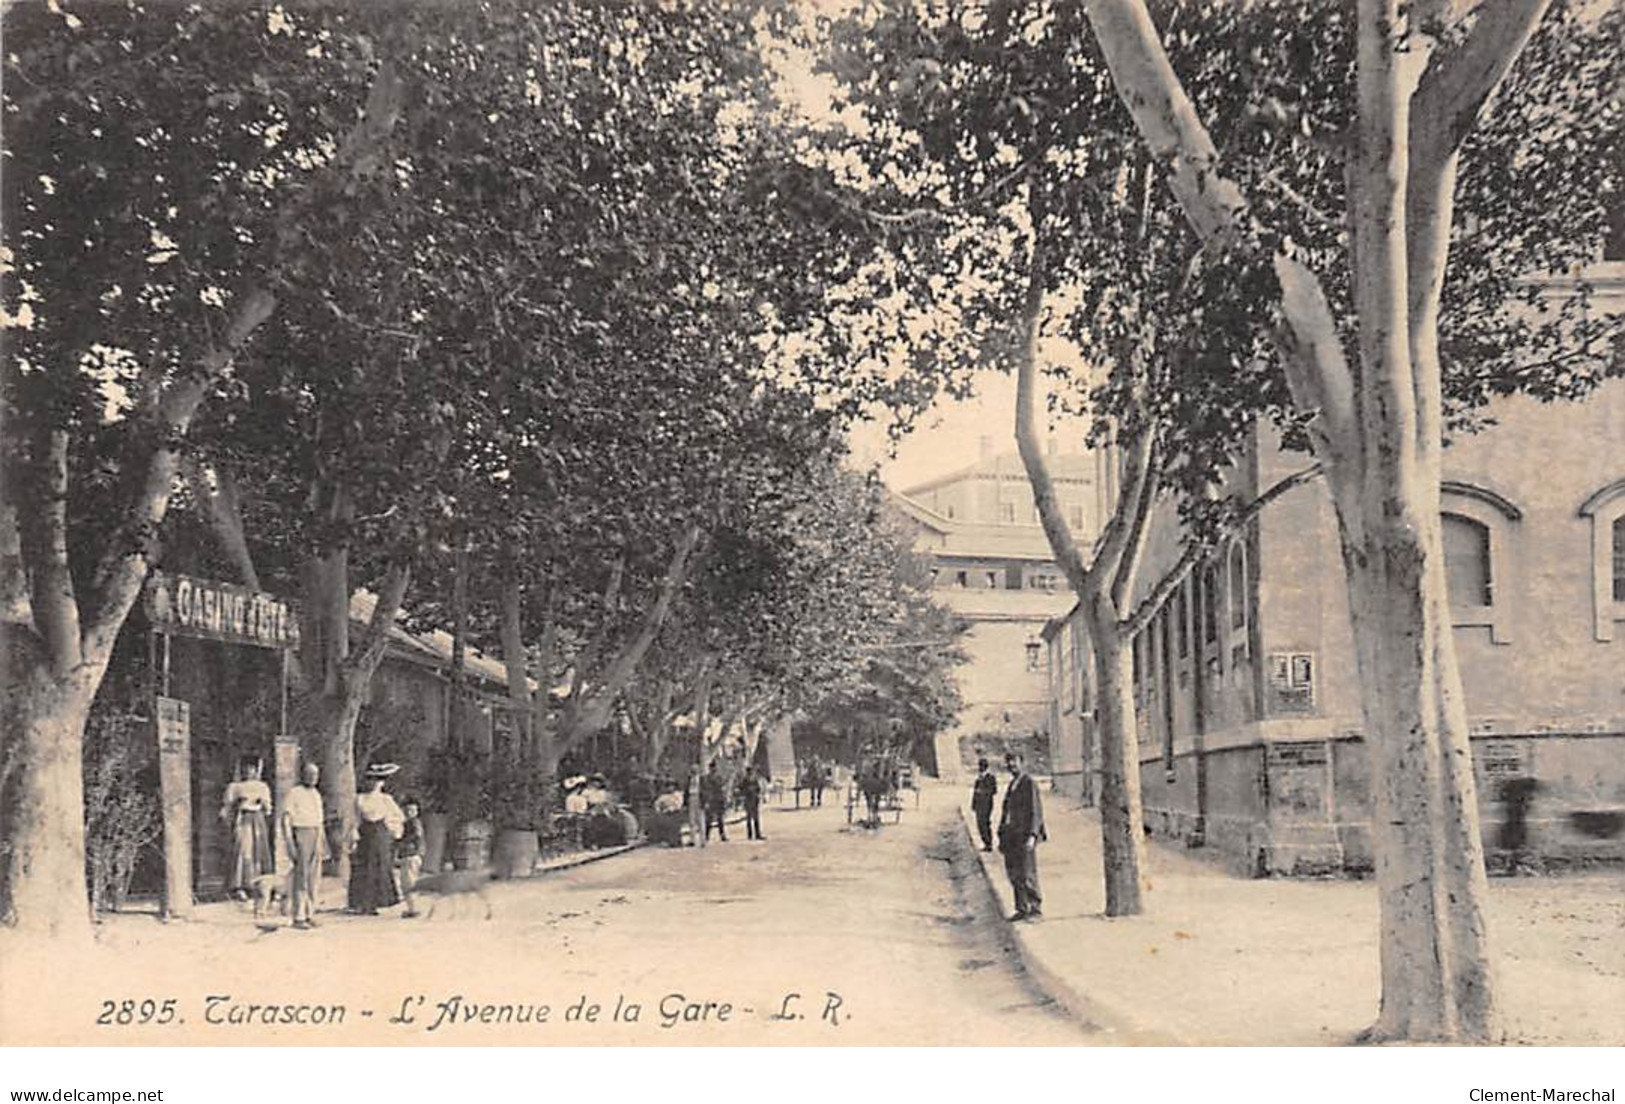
471,846
516,853
436,829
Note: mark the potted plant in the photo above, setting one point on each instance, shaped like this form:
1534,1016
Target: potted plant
517,792
459,791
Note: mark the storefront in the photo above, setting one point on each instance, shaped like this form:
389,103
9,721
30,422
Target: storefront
219,658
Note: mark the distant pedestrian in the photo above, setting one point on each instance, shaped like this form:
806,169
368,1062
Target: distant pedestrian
816,778
714,801
874,783
981,802
750,796
1021,830
303,830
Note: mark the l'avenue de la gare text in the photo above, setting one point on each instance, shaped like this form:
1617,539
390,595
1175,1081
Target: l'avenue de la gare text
448,1013
1519,1096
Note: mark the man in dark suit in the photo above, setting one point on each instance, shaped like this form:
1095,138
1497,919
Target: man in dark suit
1021,830
981,802
749,792
714,801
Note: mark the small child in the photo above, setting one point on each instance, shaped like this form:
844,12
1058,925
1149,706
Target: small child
409,857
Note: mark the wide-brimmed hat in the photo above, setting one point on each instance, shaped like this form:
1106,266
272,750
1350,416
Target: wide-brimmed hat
574,781
382,770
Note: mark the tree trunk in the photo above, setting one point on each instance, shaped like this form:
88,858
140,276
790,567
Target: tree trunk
1122,820
45,863
1102,587
345,682
1437,978
660,726
1378,434
702,721
335,717
513,658
590,711
1436,973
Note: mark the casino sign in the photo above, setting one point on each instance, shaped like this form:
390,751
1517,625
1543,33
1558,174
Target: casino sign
185,606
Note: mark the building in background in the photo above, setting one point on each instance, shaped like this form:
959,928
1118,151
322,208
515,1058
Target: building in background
992,566
1247,696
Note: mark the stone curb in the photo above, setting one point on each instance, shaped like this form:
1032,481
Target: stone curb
1109,1017
578,858
582,858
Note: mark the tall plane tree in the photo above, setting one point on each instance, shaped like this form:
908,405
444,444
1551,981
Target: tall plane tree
1326,152
133,289
1016,190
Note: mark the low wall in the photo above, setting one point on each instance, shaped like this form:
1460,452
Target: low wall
1033,748
1303,807
1074,785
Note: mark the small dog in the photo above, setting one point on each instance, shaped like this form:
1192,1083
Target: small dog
456,883
270,890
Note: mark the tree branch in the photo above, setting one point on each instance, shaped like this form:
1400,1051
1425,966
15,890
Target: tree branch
1449,97
594,711
1316,367
1115,536
222,508
1061,539
124,562
513,641
1302,203
916,215
1195,550
595,646
1459,81
390,597
1137,529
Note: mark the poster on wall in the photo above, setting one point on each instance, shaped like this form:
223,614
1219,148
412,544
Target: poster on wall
1291,684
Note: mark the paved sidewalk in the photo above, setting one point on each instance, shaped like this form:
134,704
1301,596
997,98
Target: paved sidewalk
1221,960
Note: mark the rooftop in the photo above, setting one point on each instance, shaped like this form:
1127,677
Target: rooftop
1064,466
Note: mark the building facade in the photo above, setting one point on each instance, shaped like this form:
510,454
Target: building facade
1248,701
992,566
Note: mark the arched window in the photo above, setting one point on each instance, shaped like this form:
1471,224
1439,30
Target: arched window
1238,586
1619,559
1467,561
1606,509
1210,604
1480,571
1182,628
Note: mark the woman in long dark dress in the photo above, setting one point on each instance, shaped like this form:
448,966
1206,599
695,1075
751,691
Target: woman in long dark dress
246,808
379,823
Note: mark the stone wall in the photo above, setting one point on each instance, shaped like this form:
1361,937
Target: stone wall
1303,807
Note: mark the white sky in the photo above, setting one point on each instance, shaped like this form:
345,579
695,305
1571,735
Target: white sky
949,438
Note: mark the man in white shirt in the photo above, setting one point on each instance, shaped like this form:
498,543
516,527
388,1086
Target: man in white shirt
303,826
